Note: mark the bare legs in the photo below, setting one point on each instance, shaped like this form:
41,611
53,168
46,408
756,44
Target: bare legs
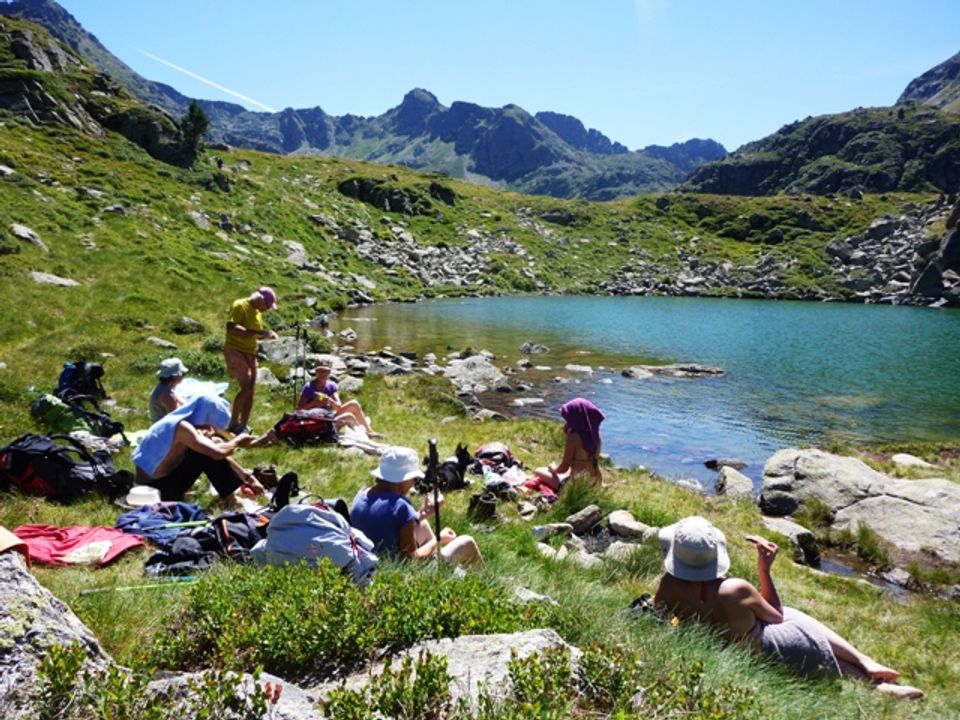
857,664
243,367
350,413
462,550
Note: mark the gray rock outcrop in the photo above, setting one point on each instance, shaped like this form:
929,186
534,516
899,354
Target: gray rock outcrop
476,661
32,621
680,370
914,516
22,232
802,540
43,278
474,374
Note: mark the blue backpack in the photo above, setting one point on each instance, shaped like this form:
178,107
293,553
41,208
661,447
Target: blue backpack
309,533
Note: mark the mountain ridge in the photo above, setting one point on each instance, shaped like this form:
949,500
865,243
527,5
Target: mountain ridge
545,153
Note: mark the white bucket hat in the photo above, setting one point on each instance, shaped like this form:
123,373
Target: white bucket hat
694,550
141,495
398,464
171,367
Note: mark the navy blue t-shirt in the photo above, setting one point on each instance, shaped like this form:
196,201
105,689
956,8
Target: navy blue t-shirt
380,518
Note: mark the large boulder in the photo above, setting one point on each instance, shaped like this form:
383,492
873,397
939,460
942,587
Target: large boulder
916,517
33,621
790,476
474,374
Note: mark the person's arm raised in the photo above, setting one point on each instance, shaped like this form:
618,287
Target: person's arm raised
766,554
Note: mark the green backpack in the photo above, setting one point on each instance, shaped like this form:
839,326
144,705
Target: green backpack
57,416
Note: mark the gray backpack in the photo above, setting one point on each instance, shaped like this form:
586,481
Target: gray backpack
306,533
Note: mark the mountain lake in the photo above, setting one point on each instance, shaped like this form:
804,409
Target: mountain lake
796,372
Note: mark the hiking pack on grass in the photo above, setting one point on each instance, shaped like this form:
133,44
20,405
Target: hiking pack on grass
59,468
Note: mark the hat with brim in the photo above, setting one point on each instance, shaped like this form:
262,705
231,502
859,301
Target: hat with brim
9,541
398,465
171,367
139,496
695,550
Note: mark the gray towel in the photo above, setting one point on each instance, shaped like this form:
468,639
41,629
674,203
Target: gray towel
800,643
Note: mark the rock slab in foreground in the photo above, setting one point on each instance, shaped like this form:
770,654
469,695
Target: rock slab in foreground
919,517
475,661
32,621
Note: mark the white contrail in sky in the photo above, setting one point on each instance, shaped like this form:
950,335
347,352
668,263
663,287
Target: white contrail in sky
211,83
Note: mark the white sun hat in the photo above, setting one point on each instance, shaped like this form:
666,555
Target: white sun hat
694,550
398,464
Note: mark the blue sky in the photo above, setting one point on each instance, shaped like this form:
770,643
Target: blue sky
642,71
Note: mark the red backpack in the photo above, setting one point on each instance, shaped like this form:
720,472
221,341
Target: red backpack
310,426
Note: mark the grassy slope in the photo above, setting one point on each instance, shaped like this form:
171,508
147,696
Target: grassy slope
154,265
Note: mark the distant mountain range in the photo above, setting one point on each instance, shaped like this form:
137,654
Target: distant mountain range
547,153
912,146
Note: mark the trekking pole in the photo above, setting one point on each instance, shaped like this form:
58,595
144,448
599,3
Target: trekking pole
299,365
432,462
169,582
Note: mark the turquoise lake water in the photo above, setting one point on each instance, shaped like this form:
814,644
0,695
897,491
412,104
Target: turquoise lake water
796,372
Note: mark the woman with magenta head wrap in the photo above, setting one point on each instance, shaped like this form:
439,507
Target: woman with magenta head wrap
581,449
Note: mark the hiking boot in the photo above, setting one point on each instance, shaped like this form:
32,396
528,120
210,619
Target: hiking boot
483,506
281,496
267,475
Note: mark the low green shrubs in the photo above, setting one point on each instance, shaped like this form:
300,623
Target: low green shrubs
66,690
296,621
609,683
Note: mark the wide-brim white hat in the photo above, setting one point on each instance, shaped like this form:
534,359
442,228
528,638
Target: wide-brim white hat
694,550
139,496
398,464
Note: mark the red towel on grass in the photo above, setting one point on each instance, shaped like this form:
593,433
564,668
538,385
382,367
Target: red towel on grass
75,545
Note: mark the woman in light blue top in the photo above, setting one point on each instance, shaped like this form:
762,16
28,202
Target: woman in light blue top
182,445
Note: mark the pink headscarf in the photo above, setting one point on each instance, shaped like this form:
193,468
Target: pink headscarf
584,418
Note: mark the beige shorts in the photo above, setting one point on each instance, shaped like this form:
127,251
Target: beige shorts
241,365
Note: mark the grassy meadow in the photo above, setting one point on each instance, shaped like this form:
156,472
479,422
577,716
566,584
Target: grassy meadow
144,265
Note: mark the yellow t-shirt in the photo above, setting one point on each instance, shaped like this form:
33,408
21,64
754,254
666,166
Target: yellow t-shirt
244,314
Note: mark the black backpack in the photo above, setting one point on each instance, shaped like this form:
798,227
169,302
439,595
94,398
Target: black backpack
80,378
38,465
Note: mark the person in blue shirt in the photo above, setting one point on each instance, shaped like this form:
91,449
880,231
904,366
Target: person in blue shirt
385,515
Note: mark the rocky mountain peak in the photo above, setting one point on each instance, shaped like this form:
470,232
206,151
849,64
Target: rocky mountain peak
415,110
573,132
939,87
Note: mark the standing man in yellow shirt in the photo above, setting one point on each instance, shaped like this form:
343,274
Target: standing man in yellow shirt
244,328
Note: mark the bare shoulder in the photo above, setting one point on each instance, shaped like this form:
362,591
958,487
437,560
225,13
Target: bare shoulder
735,589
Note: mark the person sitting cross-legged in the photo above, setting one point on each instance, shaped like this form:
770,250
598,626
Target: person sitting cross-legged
385,515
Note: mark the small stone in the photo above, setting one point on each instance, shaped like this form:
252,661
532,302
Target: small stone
803,540
546,551
585,560
22,232
161,343
542,532
585,519
526,596
734,484
906,460
348,334
717,463
48,279
199,219
622,551
266,378
622,523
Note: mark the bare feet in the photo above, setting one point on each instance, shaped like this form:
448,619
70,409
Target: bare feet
877,672
905,692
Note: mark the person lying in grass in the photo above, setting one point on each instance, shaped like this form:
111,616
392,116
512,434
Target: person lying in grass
385,515
694,587
183,445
